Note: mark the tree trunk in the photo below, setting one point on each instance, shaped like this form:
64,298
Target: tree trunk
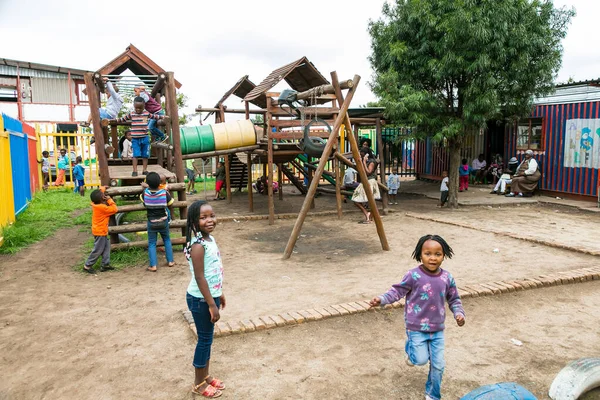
455,146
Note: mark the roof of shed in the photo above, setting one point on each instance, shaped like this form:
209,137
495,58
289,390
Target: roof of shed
579,92
134,60
301,75
41,67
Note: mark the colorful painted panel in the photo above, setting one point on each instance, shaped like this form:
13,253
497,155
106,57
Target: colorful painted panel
579,143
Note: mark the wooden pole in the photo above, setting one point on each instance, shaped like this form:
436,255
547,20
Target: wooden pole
171,105
323,89
338,187
379,138
280,180
322,162
247,109
160,83
115,141
227,161
250,194
270,165
93,96
361,171
227,179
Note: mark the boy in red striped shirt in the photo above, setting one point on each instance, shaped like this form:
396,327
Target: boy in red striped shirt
139,133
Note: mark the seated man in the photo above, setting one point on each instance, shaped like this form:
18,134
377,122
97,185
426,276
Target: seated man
479,168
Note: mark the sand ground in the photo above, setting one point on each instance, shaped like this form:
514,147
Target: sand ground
120,335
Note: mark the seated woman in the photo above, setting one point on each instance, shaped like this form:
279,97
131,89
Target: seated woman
525,180
359,197
506,177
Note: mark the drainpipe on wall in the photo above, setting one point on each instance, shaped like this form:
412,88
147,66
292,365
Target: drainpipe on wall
19,105
71,113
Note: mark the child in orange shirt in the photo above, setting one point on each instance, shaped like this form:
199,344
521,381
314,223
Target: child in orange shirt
102,209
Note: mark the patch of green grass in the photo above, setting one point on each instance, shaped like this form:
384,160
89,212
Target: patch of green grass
47,212
131,257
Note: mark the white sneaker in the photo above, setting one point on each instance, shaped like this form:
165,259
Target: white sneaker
407,361
428,398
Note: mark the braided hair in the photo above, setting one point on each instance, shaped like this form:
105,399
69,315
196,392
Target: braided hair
193,219
448,252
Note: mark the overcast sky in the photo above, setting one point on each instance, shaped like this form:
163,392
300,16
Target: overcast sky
210,45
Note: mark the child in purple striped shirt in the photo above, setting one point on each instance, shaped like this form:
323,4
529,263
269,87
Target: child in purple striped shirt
156,201
426,289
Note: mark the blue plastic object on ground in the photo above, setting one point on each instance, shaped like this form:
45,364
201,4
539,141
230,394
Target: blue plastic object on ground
500,391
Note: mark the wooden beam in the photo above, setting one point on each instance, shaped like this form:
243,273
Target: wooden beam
230,110
220,152
361,169
250,194
269,121
115,141
138,189
158,86
144,243
290,123
99,82
93,94
338,186
280,180
171,105
322,89
379,139
227,179
141,207
323,161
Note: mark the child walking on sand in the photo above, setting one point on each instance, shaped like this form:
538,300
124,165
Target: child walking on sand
79,176
425,288
139,133
102,208
204,293
156,201
393,183
45,169
62,168
444,190
464,172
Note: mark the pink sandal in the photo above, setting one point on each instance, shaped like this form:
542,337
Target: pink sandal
217,384
208,392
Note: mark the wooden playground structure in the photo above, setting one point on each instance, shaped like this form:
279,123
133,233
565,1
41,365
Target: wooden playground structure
283,139
165,158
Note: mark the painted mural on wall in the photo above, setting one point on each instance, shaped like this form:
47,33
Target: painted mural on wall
582,143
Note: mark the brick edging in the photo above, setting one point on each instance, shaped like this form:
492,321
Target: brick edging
508,234
356,307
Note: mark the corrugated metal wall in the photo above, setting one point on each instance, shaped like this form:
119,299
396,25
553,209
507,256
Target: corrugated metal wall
556,177
50,90
7,202
34,166
35,73
19,163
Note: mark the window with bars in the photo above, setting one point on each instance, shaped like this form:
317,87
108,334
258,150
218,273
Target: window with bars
530,134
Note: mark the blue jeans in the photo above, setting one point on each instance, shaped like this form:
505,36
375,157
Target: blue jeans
156,133
152,237
428,346
204,328
141,147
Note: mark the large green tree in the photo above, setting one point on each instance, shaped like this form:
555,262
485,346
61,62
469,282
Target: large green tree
445,67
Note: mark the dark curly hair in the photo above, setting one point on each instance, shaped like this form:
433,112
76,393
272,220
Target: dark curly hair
448,252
